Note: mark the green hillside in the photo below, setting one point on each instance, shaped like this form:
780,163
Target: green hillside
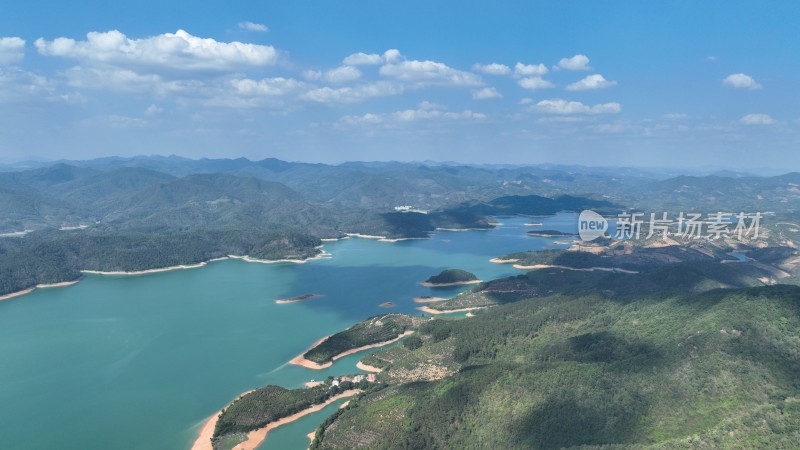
711,370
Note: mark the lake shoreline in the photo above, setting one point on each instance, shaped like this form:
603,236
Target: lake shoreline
322,255
429,310
308,364
38,286
454,283
256,437
587,269
203,440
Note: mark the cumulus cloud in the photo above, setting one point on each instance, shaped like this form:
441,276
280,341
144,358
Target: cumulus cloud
252,26
125,80
18,84
741,81
429,72
173,51
564,107
413,115
392,56
342,74
153,110
595,81
363,59
486,94
535,83
353,94
276,86
492,69
577,62
524,70
757,119
12,50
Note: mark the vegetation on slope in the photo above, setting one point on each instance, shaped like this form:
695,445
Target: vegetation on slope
371,331
449,276
710,370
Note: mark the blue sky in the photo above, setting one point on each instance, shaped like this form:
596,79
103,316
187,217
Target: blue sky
678,84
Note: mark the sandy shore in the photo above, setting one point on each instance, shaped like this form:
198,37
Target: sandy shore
144,272
54,285
448,311
322,255
365,236
311,437
301,298
311,384
38,286
203,441
16,294
301,361
503,261
456,283
256,438
428,299
368,368
588,269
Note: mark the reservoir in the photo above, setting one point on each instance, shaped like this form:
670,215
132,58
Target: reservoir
140,362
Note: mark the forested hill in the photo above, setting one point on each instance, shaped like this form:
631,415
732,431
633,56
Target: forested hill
679,371
143,213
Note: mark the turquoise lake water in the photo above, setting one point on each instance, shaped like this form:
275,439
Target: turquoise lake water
140,362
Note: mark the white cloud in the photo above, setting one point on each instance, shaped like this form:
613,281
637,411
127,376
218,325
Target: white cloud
757,119
125,80
363,59
525,101
276,86
178,51
342,74
429,72
492,69
524,70
153,110
112,121
741,81
353,94
486,93
535,83
675,116
413,115
595,81
12,50
577,62
564,107
392,56
18,84
251,26
425,104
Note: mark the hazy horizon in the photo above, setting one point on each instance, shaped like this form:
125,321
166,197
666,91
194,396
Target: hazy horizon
626,84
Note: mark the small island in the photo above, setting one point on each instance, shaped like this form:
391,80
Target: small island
388,305
451,277
299,298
